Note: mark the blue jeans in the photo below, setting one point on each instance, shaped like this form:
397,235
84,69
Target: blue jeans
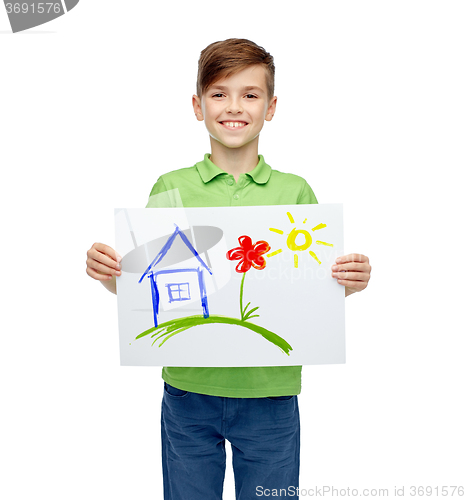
265,440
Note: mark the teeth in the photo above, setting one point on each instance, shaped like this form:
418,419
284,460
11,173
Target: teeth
234,124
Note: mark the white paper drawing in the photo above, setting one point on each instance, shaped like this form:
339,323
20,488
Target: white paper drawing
234,286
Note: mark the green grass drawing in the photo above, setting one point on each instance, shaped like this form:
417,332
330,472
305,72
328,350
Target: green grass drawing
178,325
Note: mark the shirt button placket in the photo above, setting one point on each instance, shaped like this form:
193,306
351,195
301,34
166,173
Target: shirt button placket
239,186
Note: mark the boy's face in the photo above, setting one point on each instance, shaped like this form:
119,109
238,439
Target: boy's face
234,108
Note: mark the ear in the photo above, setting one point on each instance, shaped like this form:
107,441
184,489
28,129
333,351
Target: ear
197,108
271,109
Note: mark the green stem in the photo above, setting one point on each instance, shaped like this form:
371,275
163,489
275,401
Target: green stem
241,296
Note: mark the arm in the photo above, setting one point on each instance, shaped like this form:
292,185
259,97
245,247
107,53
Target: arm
353,271
103,264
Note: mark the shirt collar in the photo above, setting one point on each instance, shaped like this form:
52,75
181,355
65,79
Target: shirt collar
208,170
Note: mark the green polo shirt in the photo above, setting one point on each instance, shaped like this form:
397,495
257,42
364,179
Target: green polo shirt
206,185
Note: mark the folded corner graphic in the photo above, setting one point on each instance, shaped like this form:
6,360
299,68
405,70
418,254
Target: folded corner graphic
26,14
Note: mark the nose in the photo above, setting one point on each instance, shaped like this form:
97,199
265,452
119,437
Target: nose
234,106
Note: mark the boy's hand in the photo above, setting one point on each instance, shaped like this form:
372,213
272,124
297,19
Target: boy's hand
353,271
102,262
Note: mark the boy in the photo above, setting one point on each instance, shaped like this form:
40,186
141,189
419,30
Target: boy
255,408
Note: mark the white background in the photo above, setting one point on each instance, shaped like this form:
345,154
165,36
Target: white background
371,111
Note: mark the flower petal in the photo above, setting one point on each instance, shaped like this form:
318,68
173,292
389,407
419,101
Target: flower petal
261,247
245,242
243,266
235,254
259,262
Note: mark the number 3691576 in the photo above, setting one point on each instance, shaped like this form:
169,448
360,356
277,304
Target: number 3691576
37,8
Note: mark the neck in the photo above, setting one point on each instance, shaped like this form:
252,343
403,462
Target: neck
235,161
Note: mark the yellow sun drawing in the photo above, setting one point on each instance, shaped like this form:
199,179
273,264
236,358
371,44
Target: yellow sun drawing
291,240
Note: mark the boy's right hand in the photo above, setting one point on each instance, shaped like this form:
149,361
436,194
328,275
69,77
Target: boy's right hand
102,262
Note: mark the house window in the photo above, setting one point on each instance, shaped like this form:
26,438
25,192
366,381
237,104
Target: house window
178,291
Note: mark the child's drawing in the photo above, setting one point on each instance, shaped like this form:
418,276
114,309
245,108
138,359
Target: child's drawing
184,283
248,255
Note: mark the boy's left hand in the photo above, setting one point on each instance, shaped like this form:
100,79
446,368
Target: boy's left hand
353,271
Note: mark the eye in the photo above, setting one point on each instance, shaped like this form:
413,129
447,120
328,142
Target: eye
217,95
251,95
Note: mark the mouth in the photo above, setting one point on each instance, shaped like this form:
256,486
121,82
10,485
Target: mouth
233,125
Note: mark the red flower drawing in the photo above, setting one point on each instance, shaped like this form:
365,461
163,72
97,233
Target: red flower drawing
248,254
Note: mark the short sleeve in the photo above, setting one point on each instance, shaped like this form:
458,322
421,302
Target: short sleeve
158,187
162,197
307,195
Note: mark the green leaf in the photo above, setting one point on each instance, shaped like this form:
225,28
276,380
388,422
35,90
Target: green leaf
243,312
250,312
253,316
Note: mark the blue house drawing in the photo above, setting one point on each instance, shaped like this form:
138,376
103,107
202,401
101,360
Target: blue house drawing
179,289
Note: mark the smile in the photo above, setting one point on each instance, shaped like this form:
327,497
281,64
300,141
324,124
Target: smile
232,125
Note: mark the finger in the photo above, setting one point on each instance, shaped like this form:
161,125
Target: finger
351,276
96,255
98,276
352,257
105,249
102,268
353,266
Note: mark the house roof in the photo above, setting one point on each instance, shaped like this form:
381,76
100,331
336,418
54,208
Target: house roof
166,247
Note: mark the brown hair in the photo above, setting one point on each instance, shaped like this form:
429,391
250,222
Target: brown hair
222,59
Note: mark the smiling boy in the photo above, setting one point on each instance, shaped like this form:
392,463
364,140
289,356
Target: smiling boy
234,109
255,408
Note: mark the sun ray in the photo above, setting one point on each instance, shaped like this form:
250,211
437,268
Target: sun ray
315,256
274,253
292,236
323,243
